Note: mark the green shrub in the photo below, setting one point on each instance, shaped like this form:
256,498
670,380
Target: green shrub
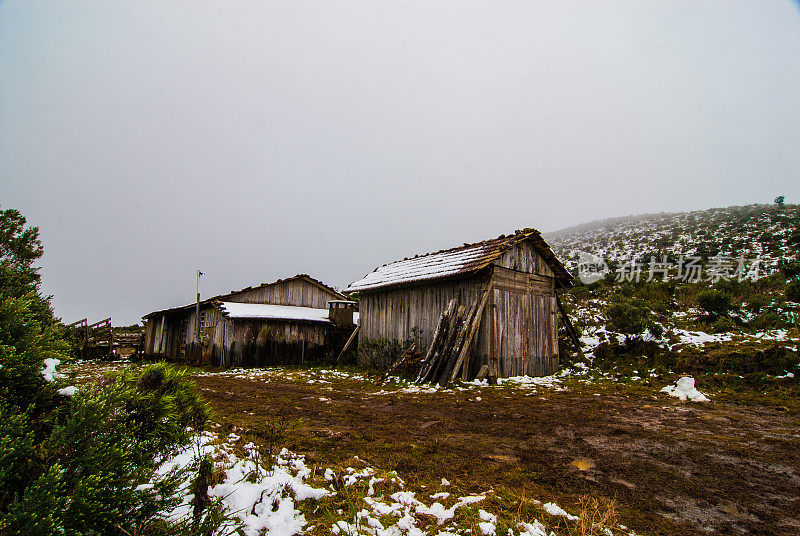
627,317
794,238
769,320
790,269
85,468
714,303
793,291
632,317
379,354
756,303
74,464
722,325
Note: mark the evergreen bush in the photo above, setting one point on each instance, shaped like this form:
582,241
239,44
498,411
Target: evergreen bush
86,463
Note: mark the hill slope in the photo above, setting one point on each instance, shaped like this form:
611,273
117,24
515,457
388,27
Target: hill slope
750,231
718,323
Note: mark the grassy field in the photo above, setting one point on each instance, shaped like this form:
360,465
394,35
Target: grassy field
602,447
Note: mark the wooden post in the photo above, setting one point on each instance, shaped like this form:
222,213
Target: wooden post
346,346
197,308
570,329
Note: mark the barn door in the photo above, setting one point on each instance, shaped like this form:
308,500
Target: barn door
512,336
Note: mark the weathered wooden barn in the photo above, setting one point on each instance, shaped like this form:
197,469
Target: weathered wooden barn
289,321
514,278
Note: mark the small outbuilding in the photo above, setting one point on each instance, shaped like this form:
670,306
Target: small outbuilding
509,282
289,321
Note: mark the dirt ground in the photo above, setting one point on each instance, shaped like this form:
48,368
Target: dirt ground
674,468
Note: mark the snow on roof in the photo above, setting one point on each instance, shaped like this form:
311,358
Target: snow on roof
233,293
273,312
450,262
420,268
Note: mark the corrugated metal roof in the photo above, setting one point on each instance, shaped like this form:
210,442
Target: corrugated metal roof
465,259
273,312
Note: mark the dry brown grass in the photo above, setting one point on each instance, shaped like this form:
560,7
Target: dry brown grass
597,517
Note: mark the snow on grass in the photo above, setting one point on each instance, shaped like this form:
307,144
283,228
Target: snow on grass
260,499
554,510
685,390
701,338
310,376
532,529
68,391
392,385
49,371
488,523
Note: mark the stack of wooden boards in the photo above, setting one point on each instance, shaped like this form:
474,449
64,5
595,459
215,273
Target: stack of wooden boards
455,335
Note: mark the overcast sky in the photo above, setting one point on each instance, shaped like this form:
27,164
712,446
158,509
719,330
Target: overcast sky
256,140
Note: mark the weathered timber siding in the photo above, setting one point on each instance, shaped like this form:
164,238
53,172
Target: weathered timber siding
163,335
518,330
394,315
264,342
525,258
298,292
524,327
180,328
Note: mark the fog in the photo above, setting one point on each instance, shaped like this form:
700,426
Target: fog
257,140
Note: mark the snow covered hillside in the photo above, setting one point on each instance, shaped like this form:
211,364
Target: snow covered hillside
718,322
750,231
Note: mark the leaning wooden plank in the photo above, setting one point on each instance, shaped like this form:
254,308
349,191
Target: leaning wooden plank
473,330
346,346
483,372
447,348
431,353
570,328
439,327
455,354
398,361
436,372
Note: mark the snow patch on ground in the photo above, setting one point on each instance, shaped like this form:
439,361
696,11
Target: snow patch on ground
685,390
49,371
554,510
261,499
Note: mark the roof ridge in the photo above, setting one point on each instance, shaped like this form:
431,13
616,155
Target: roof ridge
221,297
463,259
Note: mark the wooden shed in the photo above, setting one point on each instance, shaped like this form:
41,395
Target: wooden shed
509,281
283,322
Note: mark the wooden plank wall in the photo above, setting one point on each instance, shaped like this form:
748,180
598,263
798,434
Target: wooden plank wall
298,292
524,330
393,315
164,342
518,330
525,340
149,334
525,258
273,342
